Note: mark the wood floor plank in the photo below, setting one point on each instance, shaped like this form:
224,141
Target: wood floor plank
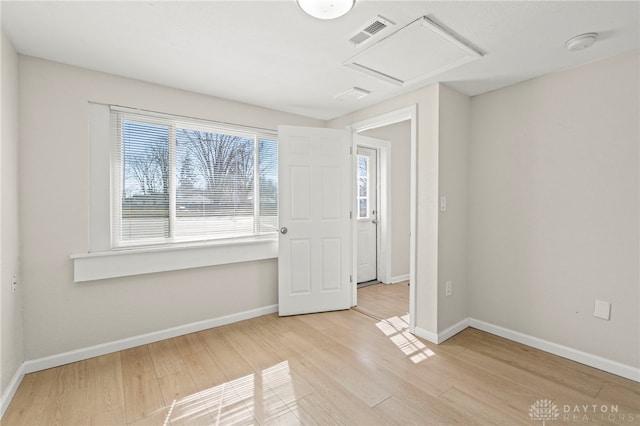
182,399
398,411
154,419
369,339
626,397
71,376
104,386
189,344
271,369
142,394
66,402
484,411
524,357
204,371
67,406
228,359
166,357
530,380
348,372
286,383
113,417
27,407
264,404
384,300
250,344
296,341
313,410
227,406
327,388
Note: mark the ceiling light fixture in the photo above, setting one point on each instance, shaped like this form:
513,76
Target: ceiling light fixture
326,9
581,42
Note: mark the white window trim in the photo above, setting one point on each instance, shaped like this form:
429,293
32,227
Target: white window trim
123,263
102,262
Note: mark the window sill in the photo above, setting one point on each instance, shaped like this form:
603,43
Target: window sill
136,261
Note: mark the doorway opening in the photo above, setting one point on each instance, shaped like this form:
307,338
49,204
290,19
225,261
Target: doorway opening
387,272
367,214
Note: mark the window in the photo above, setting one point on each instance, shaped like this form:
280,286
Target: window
363,187
177,180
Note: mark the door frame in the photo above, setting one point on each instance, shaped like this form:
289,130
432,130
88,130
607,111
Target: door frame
383,209
409,113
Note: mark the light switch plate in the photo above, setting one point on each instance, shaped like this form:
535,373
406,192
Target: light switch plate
602,310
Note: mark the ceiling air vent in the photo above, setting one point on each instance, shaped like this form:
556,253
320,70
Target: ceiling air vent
375,27
379,24
352,94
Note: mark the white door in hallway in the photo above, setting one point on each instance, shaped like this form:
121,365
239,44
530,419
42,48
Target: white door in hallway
367,214
315,202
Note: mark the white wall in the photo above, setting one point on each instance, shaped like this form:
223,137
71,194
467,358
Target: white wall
399,135
454,116
11,332
553,207
61,315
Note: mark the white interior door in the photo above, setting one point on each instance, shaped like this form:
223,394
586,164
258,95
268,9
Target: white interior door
315,254
367,214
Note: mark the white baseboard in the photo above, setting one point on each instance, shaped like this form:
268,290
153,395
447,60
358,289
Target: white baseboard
400,278
143,339
614,367
444,335
11,389
426,335
453,330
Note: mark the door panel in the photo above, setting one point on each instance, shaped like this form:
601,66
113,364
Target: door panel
300,178
314,262
300,255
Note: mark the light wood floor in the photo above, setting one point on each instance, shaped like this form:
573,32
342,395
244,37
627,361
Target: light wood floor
331,368
384,301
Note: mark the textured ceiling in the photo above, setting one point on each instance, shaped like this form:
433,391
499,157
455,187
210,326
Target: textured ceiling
270,53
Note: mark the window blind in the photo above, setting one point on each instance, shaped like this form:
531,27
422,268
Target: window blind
179,180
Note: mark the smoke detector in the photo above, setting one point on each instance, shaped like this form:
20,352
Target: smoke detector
581,42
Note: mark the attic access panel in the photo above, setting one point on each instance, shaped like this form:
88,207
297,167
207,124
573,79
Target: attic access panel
415,52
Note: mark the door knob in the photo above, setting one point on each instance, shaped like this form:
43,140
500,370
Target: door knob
284,230
374,221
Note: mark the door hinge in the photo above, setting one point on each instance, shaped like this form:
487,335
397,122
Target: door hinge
350,150
350,278
351,215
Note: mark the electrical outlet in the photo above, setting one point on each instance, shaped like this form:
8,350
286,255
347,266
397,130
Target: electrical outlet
443,204
14,283
447,288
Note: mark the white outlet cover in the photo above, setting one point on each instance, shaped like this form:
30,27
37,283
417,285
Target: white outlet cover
602,310
443,204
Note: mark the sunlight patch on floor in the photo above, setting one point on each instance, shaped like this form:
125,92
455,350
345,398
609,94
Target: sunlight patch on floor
397,330
255,397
